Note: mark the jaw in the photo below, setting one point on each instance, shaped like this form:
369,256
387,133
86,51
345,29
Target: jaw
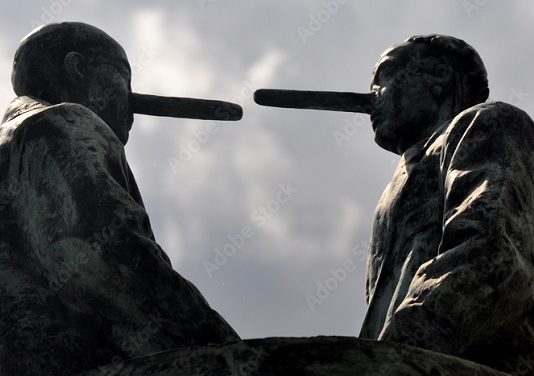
386,145
397,134
386,136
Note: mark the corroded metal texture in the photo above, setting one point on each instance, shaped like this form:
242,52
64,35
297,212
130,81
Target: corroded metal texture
82,280
318,356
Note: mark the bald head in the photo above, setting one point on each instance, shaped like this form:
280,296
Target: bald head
78,63
38,67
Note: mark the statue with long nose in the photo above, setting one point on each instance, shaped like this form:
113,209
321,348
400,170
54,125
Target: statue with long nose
451,258
83,281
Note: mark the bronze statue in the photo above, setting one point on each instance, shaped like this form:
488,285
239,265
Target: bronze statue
451,261
82,280
84,284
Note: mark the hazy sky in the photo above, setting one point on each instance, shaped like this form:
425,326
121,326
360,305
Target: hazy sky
288,195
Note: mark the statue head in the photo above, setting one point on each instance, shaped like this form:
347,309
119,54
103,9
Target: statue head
78,63
420,84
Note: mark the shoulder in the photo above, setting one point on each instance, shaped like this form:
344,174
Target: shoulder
494,131
67,133
490,123
66,137
67,121
491,117
64,131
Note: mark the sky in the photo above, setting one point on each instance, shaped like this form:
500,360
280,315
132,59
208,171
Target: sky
270,217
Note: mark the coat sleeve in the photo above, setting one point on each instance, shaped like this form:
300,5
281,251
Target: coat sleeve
480,284
88,243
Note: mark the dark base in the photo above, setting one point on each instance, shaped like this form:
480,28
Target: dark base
296,356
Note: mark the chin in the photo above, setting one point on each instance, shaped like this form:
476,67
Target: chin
386,142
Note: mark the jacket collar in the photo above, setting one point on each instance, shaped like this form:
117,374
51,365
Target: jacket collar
22,105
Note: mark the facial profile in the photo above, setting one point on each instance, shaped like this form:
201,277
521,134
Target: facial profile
405,105
419,85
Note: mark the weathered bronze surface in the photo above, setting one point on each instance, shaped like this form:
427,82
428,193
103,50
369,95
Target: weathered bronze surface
82,280
451,262
317,356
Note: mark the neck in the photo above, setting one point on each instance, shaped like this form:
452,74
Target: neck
445,113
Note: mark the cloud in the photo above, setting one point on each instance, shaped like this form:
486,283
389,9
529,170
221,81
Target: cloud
263,71
227,49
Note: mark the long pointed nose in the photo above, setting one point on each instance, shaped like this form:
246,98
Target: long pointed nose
317,100
189,108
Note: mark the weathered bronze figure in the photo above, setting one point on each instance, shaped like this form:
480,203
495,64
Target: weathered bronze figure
82,280
84,284
451,257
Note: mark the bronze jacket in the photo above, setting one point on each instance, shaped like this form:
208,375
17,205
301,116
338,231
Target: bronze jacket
451,263
82,280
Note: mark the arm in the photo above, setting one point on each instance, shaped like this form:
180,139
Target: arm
92,242
480,285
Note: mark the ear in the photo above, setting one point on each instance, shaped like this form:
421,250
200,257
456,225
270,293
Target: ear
74,64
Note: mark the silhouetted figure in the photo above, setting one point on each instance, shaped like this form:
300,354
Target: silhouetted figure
82,280
450,266
451,256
